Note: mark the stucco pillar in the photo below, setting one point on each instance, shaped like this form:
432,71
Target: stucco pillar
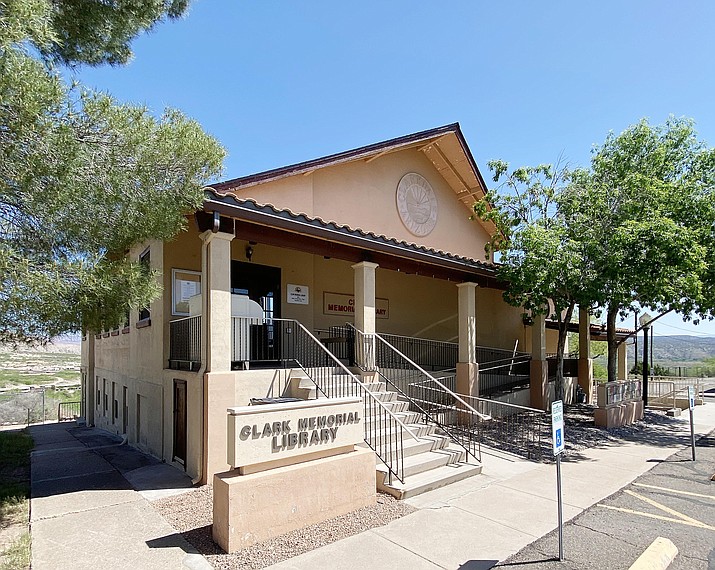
365,312
585,362
89,388
539,365
467,367
216,301
622,362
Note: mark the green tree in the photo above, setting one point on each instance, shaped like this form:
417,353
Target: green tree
541,263
644,214
82,177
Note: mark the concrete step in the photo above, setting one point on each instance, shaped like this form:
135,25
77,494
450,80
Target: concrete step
397,406
385,396
426,443
414,485
420,430
430,460
379,419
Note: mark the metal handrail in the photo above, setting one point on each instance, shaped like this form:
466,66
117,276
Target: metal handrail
424,406
290,343
354,378
506,361
430,377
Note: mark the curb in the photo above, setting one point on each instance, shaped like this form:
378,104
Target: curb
657,556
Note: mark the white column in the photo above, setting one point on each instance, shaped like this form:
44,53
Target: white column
467,322
585,363
467,368
365,296
539,365
216,301
622,362
365,312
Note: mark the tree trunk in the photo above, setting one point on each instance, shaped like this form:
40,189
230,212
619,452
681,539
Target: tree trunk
563,334
612,344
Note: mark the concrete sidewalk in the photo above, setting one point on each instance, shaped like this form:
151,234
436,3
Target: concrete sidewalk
89,507
473,524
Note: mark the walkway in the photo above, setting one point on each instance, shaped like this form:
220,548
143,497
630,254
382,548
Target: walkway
473,524
90,510
89,506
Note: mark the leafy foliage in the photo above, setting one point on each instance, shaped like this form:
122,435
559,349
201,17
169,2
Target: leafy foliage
635,230
645,215
96,31
82,177
539,258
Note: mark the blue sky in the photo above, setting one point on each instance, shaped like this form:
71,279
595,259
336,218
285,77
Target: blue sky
529,82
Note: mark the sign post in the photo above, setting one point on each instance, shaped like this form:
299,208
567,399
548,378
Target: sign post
557,431
691,405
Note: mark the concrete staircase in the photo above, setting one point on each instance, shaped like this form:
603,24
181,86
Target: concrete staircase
431,462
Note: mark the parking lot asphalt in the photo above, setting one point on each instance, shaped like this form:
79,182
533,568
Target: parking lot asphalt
674,500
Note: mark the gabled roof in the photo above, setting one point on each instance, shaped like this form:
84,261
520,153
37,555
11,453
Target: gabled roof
444,146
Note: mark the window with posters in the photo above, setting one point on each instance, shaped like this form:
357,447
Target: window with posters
185,284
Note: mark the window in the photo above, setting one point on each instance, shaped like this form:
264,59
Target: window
115,413
106,396
145,262
185,284
99,393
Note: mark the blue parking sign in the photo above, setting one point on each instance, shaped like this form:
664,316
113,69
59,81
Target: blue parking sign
557,426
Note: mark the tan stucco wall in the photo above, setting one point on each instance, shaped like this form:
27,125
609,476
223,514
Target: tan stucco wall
500,325
361,194
134,360
252,508
222,391
419,305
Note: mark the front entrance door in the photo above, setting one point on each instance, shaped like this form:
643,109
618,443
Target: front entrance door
261,283
180,421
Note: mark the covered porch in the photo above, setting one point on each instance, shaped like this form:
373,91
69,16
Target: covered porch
325,276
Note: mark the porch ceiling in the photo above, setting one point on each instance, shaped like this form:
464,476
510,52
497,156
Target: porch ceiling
282,228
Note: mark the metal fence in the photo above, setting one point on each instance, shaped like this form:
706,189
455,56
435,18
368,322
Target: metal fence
23,407
516,429
185,343
68,410
502,370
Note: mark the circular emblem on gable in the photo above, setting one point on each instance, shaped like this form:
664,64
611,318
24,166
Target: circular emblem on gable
416,204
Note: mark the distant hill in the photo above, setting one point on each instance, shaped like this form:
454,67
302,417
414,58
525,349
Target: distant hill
677,349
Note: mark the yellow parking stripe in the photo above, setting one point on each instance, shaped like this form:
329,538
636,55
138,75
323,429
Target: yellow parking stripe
659,517
676,491
662,507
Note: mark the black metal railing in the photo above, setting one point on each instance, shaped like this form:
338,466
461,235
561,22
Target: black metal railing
427,353
502,370
516,429
438,404
185,343
288,342
68,411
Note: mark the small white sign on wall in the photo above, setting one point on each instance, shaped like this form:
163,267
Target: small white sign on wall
298,294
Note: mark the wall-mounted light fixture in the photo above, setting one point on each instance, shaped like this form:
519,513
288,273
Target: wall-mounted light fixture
249,252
